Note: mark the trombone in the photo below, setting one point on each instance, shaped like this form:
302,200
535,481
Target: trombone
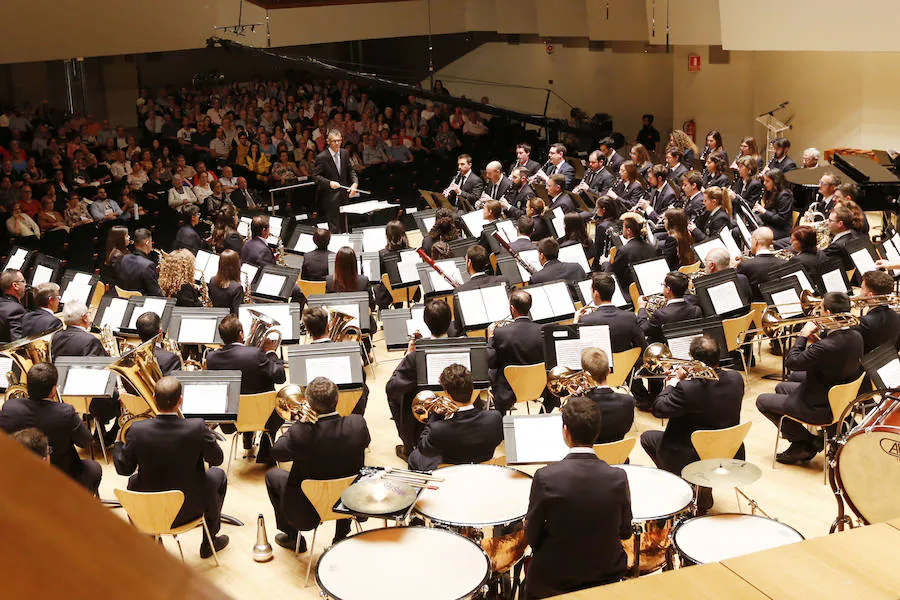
659,364
773,327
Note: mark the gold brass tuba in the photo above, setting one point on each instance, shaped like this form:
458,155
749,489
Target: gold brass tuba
139,368
564,382
262,328
339,328
292,405
426,403
25,353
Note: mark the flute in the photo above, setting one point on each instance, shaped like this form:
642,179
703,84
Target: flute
430,262
524,263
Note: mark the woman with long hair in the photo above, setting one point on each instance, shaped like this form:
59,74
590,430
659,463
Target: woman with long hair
747,185
749,148
677,248
176,278
226,288
117,242
714,146
395,237
444,229
715,171
607,215
641,158
629,190
576,233
258,163
715,216
347,278
225,234
775,209
683,142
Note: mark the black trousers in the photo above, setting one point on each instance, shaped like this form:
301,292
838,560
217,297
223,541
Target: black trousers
774,406
277,487
88,475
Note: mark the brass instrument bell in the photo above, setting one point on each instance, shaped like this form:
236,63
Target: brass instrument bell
291,405
563,382
262,329
426,403
262,550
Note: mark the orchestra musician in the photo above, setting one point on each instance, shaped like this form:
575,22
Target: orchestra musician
718,260
57,420
677,246
661,196
187,236
845,195
775,209
715,217
810,158
559,197
747,185
675,286
759,268
829,361
629,190
640,157
315,319
136,271
881,324
469,435
466,184
491,211
691,405
496,184
580,489
616,409
517,343
692,185
674,163
169,452
444,229
148,327
524,227
636,249
535,213
256,250
607,215
614,160
552,269
347,277
12,287
715,175
333,170
840,224
748,148
803,242
176,278
42,318
596,178
332,447
576,233
225,235
515,202
624,331
523,160
781,160
226,288
828,184
260,370
557,165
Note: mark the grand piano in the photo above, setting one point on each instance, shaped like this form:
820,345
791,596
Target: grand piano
879,187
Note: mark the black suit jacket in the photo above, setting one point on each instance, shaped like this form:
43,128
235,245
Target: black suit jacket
563,201
751,192
780,216
661,201
239,198
12,311
599,182
693,405
470,189
711,225
787,164
168,361
498,190
634,250
58,421
541,229
616,414
259,371
326,172
469,436
720,180
810,261
624,331
581,489
614,161
881,325
168,452
522,244
231,297
630,195
758,270
330,448
315,265
37,321
554,270
651,325
74,341
838,249
137,272
257,252
518,200
563,168
533,166
677,171
187,237
519,343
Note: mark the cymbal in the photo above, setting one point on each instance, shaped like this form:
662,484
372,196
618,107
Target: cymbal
378,496
721,472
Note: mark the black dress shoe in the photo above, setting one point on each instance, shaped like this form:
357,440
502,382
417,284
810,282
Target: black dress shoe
289,542
248,441
220,541
798,452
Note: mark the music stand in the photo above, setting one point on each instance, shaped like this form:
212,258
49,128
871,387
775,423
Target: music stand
774,127
863,254
480,307
795,270
393,321
424,220
275,283
534,439
473,223
138,305
649,275
679,335
301,240
556,222
786,293
110,312
719,294
78,285
461,246
585,292
574,253
883,367
355,304
832,277
563,344
213,396
189,325
434,284
286,313
46,269
367,263
339,362
402,273
372,239
432,359
85,377
551,302
19,259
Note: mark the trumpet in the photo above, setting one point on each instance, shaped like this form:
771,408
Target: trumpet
564,382
773,327
659,364
291,405
426,403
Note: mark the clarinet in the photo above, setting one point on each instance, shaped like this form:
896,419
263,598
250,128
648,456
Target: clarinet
430,262
531,270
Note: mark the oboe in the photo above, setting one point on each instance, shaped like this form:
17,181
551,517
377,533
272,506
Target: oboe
430,262
524,263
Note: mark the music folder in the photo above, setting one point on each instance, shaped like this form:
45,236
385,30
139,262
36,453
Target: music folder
85,376
563,344
339,362
210,395
883,367
46,269
585,292
355,304
534,439
301,239
474,222
373,239
785,293
138,305
832,277
424,220
189,325
367,263
433,284
551,302
19,259
286,313
275,282
401,268
509,267
680,335
480,307
433,356
650,275
720,294
77,285
393,320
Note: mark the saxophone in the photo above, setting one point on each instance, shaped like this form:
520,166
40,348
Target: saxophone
108,341
247,293
279,253
204,293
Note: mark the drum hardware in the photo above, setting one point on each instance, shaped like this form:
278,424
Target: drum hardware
659,364
291,405
773,326
563,382
719,472
262,329
430,262
25,353
262,550
339,328
426,403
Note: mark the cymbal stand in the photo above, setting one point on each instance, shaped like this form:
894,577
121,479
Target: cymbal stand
753,504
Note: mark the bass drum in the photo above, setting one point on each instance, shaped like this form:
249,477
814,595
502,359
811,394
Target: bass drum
867,465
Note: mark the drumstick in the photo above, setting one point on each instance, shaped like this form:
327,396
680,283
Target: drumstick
412,473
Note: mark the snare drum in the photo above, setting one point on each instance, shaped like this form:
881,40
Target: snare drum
658,499
485,503
403,563
714,538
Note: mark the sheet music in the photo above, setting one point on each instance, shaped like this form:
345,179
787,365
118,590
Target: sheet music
204,399
212,267
438,283
539,438
725,297
789,303
574,254
197,331
428,222
745,233
508,230
410,256
6,365
82,279
17,260
335,368
42,274
890,374
650,275
560,300
244,226
532,258
417,323
540,305
77,291
475,222
408,272
201,260
250,271
473,308
568,351
801,277
587,291
497,302
154,305
367,268
863,261
559,222
338,241
703,248
114,313
86,382
270,284
305,243
374,239
275,224
681,346
728,239
436,362
834,281
891,253
279,312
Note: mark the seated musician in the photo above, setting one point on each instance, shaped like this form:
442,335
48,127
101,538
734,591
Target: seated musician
57,420
136,271
841,226
517,343
491,212
42,318
444,229
496,184
226,288
469,435
347,278
829,361
636,249
477,264
401,387
578,513
12,290
714,217
691,185
616,409
260,370
524,161
675,286
169,452
256,250
803,242
551,267
315,319
524,227
775,208
691,405
76,340
187,237
332,447
718,260
677,246
661,197
747,185
315,262
176,278
781,160
624,331
674,157
847,194
596,178
559,198
148,327
759,268
520,192
881,324
466,184
535,212
575,227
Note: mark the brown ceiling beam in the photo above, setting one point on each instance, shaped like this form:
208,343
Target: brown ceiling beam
275,4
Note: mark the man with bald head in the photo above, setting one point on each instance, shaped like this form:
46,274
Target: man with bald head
759,268
496,184
718,260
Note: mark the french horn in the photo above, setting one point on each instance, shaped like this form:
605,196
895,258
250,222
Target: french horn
426,403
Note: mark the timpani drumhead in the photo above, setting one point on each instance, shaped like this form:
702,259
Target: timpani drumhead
868,470
403,563
656,493
719,537
476,495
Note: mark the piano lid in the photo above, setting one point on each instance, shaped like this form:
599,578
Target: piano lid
863,169
810,177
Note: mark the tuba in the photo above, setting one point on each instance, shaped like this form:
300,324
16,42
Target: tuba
564,382
339,328
426,403
25,353
262,328
291,405
139,368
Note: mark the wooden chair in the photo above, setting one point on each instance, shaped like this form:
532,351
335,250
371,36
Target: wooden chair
82,404
347,401
635,294
475,333
733,329
401,295
720,443
126,294
692,268
253,412
97,297
497,460
311,288
615,453
795,217
323,494
527,382
839,398
153,512
622,365
612,253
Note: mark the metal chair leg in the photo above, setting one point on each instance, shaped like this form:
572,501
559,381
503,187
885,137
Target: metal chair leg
777,436
180,551
312,549
231,453
212,543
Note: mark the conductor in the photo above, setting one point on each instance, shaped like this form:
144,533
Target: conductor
333,170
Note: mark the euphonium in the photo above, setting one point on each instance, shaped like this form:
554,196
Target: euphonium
658,363
563,382
139,368
262,328
291,405
654,303
25,353
426,403
339,328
